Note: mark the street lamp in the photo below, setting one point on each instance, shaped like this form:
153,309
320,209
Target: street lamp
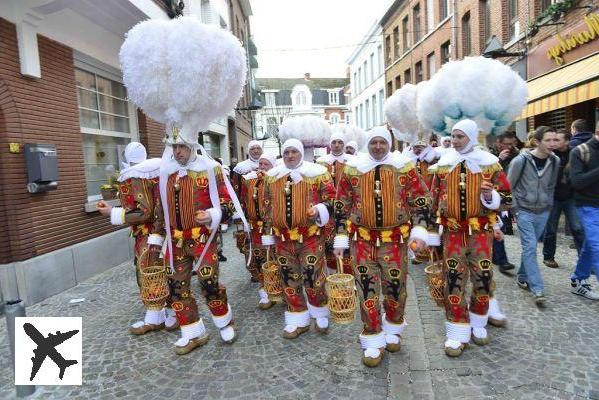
494,50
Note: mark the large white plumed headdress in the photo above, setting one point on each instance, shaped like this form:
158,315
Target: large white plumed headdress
481,89
183,73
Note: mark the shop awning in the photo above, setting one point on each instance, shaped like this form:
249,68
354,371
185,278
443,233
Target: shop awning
564,87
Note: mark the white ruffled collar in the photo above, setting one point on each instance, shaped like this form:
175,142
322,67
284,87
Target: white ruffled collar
364,162
305,170
331,158
147,169
475,159
200,164
245,166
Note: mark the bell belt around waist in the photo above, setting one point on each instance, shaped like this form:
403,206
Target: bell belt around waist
398,233
297,234
473,224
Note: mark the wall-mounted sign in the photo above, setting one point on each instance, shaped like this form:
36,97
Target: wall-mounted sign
573,40
576,40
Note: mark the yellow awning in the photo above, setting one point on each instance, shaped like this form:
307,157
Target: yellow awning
569,85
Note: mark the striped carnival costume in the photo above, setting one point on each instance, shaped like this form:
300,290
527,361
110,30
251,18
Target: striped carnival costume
253,202
382,204
468,188
298,202
335,163
138,193
242,168
195,197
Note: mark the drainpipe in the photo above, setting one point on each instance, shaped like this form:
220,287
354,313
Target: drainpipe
454,31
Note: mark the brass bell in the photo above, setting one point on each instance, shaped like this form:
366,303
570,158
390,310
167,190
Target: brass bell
288,188
180,243
377,188
378,242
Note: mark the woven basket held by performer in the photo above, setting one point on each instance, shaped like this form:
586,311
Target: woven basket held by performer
252,196
382,205
298,202
193,185
138,191
468,189
334,162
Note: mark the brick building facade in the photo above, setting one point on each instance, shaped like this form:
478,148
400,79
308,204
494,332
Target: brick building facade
419,36
61,85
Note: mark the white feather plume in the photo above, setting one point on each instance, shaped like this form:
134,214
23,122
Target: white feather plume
312,131
182,72
479,88
400,109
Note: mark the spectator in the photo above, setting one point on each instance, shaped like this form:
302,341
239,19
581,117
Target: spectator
532,175
580,133
584,177
563,200
505,149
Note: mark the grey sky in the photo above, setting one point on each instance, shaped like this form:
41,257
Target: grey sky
299,25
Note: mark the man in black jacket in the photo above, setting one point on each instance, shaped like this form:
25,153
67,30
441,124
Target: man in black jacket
584,176
505,149
580,133
563,201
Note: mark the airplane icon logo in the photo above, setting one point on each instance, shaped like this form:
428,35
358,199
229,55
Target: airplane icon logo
46,347
48,351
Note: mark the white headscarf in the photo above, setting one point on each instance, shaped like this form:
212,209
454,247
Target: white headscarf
135,153
353,144
270,158
474,157
253,143
364,162
304,168
337,136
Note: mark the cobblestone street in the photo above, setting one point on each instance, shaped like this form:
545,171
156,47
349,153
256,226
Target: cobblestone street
550,353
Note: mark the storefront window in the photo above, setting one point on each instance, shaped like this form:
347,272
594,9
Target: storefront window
104,116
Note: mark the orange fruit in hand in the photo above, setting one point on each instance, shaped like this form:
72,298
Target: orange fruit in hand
413,246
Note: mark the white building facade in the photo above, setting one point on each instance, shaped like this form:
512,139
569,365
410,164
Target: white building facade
367,77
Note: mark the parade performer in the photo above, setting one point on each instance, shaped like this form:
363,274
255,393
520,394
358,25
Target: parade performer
382,205
195,198
247,166
335,162
252,195
423,155
242,168
138,191
468,189
298,202
351,148
187,86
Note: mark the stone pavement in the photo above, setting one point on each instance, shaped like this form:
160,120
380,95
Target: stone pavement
551,353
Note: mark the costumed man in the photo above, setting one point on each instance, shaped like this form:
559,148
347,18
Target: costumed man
423,155
335,162
466,197
195,196
138,192
382,205
298,202
242,168
351,148
252,195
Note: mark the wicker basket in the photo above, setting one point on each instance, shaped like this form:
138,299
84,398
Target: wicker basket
273,285
342,296
436,283
154,287
241,241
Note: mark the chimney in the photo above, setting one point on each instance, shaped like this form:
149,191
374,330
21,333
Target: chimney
307,76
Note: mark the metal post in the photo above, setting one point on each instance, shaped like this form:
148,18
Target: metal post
15,309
